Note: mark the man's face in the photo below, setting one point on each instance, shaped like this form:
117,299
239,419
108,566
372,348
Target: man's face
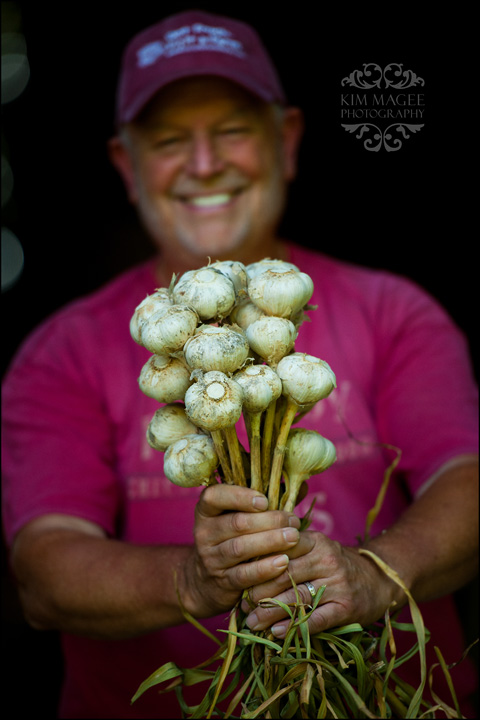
208,168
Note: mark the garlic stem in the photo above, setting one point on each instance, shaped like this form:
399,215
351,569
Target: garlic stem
294,484
256,482
235,456
286,493
219,444
266,444
279,454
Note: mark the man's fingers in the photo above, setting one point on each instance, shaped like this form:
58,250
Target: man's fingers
219,498
324,617
241,548
245,575
267,614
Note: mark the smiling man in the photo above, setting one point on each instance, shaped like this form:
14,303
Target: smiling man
206,144
206,163
206,150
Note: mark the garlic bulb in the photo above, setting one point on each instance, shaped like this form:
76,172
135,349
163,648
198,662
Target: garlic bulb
261,385
169,424
245,313
262,266
224,348
223,342
305,378
261,388
281,292
164,378
307,453
208,291
160,298
166,330
271,337
235,271
214,401
191,461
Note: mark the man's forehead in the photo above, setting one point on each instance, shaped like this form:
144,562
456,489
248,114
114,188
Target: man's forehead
192,94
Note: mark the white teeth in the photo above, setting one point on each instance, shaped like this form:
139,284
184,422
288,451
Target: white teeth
210,200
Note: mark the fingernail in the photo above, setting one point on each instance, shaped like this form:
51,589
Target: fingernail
252,621
278,630
260,502
291,535
281,561
294,521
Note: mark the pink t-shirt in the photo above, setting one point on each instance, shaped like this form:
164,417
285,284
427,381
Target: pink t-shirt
74,423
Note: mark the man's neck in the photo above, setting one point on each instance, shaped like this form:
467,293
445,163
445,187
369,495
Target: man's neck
167,265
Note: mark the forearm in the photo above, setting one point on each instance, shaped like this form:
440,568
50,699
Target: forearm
73,578
99,587
434,546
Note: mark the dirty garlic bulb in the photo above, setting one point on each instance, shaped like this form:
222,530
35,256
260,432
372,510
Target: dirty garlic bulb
271,337
150,305
164,378
214,403
191,461
167,330
281,292
307,453
245,313
169,424
306,380
261,388
208,291
223,348
235,271
257,268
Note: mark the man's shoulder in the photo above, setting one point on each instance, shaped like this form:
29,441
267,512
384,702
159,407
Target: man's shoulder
98,314
335,271
122,290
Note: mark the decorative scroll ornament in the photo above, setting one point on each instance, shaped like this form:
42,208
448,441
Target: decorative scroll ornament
374,142
372,75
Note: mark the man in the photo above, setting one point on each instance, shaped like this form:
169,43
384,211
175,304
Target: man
206,146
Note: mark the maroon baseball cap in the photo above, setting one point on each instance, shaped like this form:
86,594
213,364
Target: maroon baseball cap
193,43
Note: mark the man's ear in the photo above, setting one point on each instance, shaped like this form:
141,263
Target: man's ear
121,159
292,133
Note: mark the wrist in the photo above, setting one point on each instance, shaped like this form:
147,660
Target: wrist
391,593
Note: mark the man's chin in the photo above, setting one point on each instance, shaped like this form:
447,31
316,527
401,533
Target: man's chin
214,248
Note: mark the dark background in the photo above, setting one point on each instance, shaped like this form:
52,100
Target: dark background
409,211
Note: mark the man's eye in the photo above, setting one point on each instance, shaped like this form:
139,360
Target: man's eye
236,130
169,141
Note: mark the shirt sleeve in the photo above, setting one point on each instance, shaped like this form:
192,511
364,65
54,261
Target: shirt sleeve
427,397
57,438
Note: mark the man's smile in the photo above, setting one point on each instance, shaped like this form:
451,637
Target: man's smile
210,201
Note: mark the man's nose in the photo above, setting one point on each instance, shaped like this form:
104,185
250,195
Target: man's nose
204,158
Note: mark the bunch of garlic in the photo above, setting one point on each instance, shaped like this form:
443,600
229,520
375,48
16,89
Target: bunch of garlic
222,339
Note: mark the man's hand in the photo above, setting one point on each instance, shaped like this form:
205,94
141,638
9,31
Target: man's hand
433,547
356,590
237,545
